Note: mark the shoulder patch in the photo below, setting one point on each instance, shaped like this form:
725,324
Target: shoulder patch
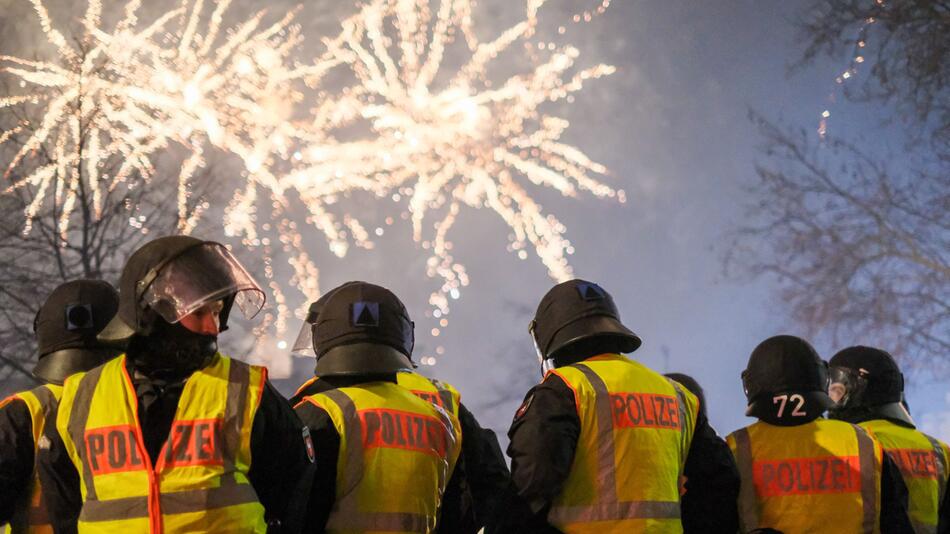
308,443
523,409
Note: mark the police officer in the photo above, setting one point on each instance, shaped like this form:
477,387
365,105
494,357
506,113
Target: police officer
867,387
604,444
174,436
65,327
385,455
803,473
486,473
717,451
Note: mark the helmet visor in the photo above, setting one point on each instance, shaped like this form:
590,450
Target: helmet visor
199,276
845,385
304,345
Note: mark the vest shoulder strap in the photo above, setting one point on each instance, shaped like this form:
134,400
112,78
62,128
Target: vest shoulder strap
867,457
940,462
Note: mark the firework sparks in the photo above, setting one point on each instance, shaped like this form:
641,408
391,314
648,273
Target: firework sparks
122,97
463,142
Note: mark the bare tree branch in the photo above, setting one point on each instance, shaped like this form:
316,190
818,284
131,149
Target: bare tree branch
860,249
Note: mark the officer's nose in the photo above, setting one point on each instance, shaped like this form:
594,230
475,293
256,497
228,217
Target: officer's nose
203,321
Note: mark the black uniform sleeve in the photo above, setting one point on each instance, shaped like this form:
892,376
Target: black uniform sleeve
16,457
894,500
712,484
543,436
456,512
485,468
59,479
326,443
280,464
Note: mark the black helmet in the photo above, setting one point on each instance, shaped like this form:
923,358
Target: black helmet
175,275
867,381
789,367
575,313
66,327
303,345
362,329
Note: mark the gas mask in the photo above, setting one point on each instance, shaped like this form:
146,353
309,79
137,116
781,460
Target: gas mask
172,351
846,386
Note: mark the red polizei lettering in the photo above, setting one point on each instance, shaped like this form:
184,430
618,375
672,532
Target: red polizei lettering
645,410
194,442
915,463
112,449
806,476
396,429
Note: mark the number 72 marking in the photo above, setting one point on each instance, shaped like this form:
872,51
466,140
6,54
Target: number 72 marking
783,399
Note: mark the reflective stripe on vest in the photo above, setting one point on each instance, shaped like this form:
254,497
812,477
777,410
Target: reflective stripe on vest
201,468
429,389
360,415
32,516
921,460
609,506
762,485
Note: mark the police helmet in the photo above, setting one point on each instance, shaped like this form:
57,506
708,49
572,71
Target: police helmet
66,327
867,380
785,373
362,329
170,277
578,316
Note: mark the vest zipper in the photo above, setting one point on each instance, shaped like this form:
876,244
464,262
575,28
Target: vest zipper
154,492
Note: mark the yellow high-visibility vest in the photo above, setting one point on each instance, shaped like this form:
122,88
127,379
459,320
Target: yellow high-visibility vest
397,453
922,461
199,482
820,477
636,429
442,394
31,516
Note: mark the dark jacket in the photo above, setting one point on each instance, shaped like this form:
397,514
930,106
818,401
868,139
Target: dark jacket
280,465
16,457
544,436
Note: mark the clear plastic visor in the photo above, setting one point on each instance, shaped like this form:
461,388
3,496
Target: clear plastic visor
199,276
303,346
545,364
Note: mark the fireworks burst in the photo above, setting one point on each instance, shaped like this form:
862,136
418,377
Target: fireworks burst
464,141
441,135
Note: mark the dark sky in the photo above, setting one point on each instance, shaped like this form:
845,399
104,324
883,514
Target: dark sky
672,126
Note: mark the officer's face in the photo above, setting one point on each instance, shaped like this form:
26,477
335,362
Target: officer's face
205,320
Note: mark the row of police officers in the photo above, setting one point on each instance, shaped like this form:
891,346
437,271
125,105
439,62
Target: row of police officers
142,425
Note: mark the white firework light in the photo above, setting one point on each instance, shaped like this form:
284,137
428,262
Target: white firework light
440,135
468,141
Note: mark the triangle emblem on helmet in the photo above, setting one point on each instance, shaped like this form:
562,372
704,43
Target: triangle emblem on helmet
590,292
366,313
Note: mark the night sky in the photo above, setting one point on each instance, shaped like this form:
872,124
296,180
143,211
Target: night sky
672,126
